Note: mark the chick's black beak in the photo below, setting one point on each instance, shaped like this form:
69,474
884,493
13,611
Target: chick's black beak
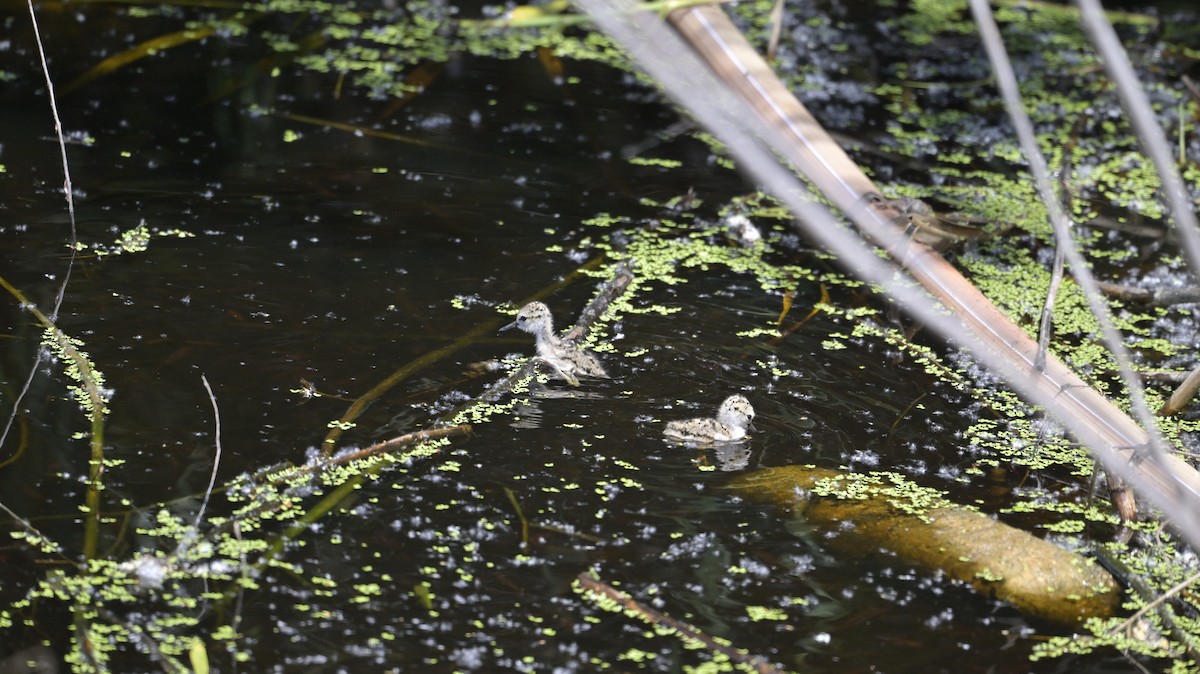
510,325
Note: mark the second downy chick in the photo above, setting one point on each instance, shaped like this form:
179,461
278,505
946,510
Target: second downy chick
734,416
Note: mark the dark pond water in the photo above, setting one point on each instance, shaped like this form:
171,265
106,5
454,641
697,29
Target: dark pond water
335,258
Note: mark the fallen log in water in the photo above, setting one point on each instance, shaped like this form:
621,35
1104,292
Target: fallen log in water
1037,577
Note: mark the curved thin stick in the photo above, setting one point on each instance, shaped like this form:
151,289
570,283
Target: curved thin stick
212,479
62,143
67,191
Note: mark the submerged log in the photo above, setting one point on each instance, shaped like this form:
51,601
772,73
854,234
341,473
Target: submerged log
1037,577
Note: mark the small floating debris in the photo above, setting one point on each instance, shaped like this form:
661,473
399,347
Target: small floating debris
741,231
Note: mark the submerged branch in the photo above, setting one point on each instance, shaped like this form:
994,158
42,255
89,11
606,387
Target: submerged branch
622,277
603,593
271,478
406,440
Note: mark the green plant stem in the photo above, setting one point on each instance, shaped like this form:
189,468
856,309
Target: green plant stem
97,409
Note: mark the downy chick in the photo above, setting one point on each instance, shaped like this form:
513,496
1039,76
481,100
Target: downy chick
565,357
733,418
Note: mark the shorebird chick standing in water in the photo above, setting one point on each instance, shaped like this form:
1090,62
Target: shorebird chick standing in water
733,418
565,357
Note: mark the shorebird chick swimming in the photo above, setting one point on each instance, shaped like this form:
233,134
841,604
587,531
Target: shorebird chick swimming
734,416
565,357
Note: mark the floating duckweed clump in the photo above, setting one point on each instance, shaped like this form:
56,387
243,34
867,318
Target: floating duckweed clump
898,491
377,48
134,240
482,411
665,249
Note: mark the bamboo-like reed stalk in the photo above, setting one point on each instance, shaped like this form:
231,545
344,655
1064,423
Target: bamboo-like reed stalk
727,87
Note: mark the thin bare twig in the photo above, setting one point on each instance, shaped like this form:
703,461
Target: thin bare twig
1145,124
1046,328
68,190
62,289
212,479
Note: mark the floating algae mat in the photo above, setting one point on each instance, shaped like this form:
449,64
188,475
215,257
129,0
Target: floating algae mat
924,529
